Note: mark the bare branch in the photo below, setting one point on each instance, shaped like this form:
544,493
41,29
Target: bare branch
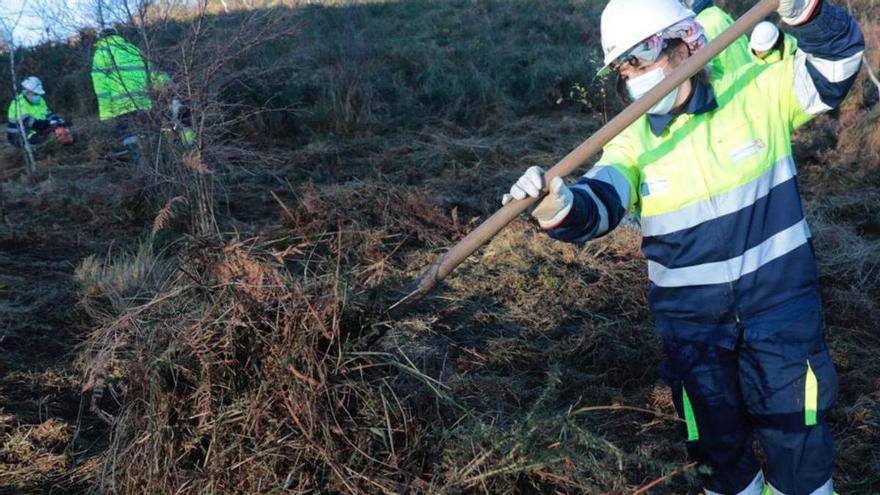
8,31
872,73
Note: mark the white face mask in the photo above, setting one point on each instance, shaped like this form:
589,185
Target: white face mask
639,86
34,99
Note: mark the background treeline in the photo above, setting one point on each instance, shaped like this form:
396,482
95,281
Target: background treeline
370,67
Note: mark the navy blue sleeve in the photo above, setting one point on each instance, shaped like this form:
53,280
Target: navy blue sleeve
834,45
597,210
701,5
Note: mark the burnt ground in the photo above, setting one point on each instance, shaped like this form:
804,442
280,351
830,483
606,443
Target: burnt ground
48,438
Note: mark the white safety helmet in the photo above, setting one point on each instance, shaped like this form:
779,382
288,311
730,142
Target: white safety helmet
625,23
34,85
764,37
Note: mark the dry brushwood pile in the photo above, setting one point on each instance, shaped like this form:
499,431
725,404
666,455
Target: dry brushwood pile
219,324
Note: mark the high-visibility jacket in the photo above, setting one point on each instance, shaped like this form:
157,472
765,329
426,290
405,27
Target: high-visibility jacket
715,21
789,48
21,109
715,188
121,78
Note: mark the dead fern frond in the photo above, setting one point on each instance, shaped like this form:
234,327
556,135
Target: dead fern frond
194,162
168,213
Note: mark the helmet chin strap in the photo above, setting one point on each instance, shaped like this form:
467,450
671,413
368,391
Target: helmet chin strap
690,94
691,82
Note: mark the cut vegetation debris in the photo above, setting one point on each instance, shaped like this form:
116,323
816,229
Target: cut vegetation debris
231,329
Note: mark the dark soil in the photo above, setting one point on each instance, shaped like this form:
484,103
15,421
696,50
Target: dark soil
48,435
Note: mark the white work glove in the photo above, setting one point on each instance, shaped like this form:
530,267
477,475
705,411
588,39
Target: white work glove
553,209
176,107
795,12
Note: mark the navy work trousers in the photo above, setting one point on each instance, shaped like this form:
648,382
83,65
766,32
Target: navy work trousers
775,380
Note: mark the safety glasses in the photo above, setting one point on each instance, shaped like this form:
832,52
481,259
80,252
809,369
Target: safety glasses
646,52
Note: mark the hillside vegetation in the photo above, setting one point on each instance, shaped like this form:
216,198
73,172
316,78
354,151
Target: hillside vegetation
219,323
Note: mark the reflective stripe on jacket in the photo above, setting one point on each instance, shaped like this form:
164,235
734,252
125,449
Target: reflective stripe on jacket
716,192
21,109
120,78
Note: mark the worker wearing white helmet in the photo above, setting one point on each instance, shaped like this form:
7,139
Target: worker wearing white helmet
710,176
29,114
769,44
33,86
715,21
765,38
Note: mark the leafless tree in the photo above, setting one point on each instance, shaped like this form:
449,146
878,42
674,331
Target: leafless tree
61,19
8,26
204,65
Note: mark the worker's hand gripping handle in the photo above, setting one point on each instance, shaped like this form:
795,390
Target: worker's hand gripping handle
443,265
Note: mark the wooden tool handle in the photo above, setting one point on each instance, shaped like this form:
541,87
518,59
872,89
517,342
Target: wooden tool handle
443,265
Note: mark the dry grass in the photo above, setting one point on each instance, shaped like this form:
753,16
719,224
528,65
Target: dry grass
255,355
260,379
278,369
29,452
266,361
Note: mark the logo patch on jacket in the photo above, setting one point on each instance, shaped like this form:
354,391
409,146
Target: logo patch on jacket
654,185
749,149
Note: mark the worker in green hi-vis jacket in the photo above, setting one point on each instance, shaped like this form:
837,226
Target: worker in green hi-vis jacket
124,84
29,113
714,21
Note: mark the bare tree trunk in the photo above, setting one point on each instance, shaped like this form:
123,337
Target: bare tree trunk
30,163
871,72
101,24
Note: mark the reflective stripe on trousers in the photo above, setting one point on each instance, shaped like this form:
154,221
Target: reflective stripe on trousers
776,383
756,487
826,489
